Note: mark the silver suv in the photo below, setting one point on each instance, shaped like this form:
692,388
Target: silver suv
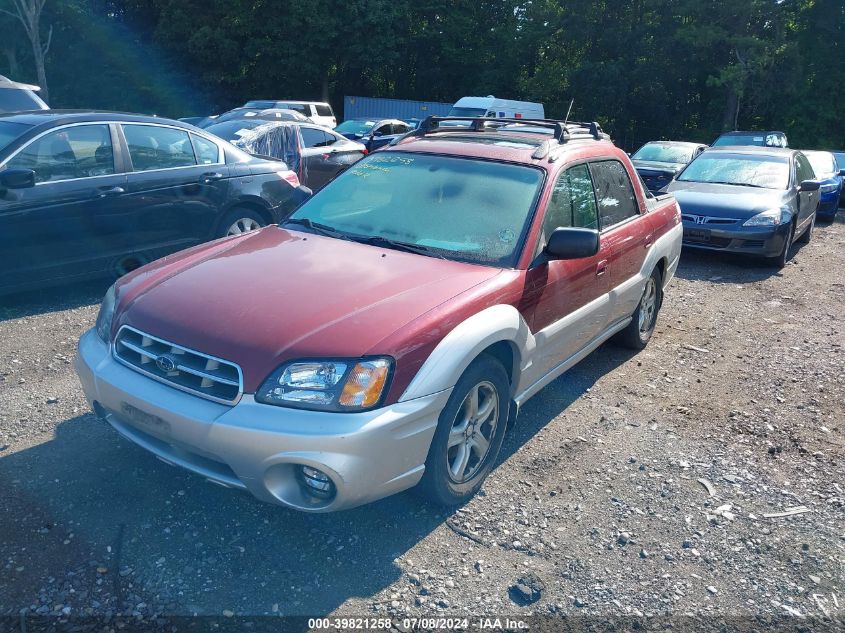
17,97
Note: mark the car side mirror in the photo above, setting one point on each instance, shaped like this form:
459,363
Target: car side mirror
17,179
572,243
809,185
842,172
302,193
377,134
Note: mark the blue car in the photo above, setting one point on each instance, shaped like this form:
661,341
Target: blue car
373,133
746,199
829,174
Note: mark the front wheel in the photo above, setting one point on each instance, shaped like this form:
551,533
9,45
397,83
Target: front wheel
780,260
469,434
638,332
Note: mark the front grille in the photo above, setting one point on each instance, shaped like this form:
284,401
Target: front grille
178,366
697,219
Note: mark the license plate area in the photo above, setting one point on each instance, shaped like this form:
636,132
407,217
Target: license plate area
146,420
697,235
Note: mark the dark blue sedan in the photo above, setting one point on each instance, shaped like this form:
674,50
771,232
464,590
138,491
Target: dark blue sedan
753,200
830,176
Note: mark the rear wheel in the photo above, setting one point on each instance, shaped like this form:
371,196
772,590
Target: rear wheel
240,221
469,434
639,330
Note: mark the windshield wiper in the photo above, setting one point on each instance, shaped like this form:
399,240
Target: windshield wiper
735,184
317,227
378,240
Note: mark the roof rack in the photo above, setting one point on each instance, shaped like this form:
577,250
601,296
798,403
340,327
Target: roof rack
562,131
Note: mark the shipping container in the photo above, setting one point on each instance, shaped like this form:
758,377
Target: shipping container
364,107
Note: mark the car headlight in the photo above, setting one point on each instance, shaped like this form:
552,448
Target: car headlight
771,217
104,318
327,385
829,187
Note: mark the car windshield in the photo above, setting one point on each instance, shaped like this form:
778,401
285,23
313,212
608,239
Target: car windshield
9,131
769,172
261,105
355,127
12,100
465,209
231,130
822,162
467,111
664,153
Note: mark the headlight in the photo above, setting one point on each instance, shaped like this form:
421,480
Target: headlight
828,188
772,217
104,318
327,385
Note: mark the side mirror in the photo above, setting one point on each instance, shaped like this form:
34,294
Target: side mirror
572,243
842,172
17,179
302,193
809,185
377,134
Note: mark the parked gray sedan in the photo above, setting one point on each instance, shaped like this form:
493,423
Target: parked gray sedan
754,200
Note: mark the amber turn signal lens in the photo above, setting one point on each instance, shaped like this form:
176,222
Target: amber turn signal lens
365,383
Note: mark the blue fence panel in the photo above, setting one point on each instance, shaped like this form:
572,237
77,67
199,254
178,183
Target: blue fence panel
359,107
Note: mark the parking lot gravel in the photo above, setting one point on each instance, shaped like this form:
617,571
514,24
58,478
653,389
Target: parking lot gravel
704,476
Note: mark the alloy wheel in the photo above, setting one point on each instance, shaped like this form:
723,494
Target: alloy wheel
243,225
472,432
648,305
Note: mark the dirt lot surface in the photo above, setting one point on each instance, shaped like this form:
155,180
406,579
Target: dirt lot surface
636,484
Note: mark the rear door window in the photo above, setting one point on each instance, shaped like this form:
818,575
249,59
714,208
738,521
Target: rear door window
207,151
156,147
614,192
324,110
312,137
80,151
573,203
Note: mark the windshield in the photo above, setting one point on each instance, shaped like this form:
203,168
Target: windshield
467,111
769,172
12,100
662,153
822,162
465,209
355,127
9,131
761,139
262,105
229,130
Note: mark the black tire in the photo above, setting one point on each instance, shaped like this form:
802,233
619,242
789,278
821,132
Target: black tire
779,261
638,332
247,219
807,235
485,375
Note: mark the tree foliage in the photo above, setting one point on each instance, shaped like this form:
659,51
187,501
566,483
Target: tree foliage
646,69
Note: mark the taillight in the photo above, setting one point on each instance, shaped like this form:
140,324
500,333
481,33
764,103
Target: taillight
290,176
365,151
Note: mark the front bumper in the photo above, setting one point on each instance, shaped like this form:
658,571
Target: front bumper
259,447
828,204
764,241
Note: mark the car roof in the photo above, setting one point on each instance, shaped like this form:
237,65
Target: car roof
744,132
677,143
62,117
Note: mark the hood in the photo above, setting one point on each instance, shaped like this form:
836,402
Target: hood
653,165
275,295
725,201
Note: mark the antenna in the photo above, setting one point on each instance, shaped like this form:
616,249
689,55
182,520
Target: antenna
568,112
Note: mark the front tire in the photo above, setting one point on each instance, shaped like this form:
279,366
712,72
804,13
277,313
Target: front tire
469,434
780,260
638,332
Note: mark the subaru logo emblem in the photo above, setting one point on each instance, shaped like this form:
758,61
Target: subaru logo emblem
165,363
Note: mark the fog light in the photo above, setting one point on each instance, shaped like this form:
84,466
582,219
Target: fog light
317,482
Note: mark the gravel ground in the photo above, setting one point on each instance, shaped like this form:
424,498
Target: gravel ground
635,485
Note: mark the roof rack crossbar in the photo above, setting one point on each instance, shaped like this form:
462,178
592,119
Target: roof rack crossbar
562,132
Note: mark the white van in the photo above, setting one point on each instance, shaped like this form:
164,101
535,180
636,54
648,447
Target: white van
318,111
490,106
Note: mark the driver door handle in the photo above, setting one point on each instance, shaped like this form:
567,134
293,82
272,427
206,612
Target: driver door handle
211,176
107,192
601,268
